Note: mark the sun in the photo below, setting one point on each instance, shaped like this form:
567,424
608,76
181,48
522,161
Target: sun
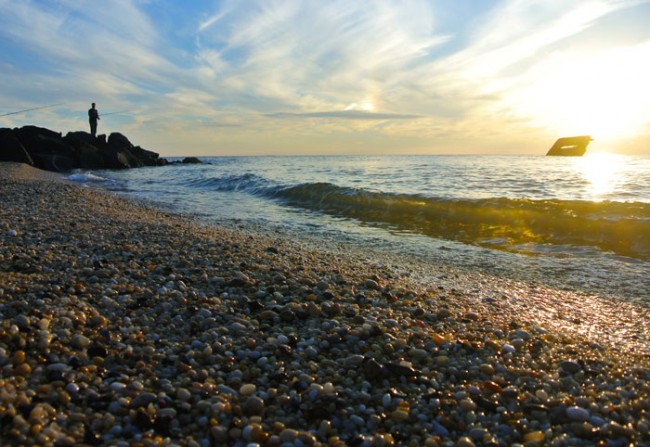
604,95
364,106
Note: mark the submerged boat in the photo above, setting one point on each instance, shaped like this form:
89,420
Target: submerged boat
570,146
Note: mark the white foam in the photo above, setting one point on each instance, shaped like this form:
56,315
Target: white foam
87,177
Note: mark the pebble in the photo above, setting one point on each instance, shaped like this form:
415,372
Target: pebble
253,406
79,341
247,389
534,436
149,330
577,414
570,367
183,394
464,441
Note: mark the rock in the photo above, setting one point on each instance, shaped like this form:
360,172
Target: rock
118,141
143,400
577,414
372,284
49,150
254,406
399,370
570,367
247,389
191,160
464,442
79,341
373,369
11,149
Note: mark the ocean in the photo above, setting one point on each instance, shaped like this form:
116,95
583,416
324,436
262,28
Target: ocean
575,223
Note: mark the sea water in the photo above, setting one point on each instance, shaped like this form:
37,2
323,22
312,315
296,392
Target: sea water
578,223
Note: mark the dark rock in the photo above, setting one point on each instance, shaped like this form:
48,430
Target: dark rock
372,369
398,370
51,151
570,366
487,404
96,350
191,160
118,141
143,400
11,149
254,406
143,420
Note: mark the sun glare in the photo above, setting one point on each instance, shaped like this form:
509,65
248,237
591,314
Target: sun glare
365,106
605,96
602,171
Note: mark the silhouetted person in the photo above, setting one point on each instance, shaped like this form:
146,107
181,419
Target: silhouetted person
93,116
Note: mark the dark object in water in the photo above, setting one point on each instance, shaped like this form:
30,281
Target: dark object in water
570,146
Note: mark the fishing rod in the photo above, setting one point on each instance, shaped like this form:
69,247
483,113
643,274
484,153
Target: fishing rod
29,110
113,113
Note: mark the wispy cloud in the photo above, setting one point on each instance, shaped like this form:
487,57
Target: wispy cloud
393,69
346,115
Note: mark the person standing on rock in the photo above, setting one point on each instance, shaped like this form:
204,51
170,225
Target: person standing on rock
93,116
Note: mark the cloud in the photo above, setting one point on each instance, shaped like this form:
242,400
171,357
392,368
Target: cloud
317,55
415,70
345,115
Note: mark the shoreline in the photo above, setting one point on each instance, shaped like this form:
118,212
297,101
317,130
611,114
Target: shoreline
124,323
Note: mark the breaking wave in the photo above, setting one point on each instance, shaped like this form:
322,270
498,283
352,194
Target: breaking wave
511,224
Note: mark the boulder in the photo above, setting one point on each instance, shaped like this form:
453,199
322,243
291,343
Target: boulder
118,141
48,150
191,160
38,140
148,158
11,148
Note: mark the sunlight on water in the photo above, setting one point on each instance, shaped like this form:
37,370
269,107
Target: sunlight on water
580,220
602,171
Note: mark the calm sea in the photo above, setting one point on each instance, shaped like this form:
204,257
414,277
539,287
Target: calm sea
577,223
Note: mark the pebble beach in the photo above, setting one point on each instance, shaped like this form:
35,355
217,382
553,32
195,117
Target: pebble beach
126,325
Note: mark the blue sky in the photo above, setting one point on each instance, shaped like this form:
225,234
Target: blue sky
243,77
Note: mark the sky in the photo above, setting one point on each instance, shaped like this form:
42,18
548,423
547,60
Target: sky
284,77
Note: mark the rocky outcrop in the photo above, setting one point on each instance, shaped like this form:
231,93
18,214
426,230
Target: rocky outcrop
49,150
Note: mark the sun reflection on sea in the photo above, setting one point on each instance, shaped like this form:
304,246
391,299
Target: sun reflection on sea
602,171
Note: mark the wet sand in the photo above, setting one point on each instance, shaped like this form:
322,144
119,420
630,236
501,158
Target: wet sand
127,325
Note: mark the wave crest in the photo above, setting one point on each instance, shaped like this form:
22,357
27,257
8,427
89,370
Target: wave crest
518,225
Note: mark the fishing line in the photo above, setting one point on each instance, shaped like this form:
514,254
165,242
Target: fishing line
114,113
29,110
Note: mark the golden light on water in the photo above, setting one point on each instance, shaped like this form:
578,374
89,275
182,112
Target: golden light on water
602,171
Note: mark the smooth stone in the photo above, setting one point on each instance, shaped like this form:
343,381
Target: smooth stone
353,360
464,442
508,348
143,400
577,414
247,389
79,341
467,405
225,389
253,406
534,436
288,435
117,386
372,284
183,394
58,367
570,367
399,416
